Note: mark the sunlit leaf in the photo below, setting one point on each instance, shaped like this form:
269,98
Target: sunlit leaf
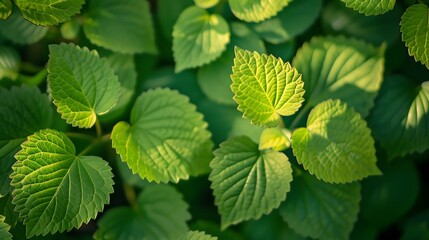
256,10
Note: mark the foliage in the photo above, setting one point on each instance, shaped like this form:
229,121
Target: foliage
214,119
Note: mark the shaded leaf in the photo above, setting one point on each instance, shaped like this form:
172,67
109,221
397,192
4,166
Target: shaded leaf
5,9
9,61
19,30
4,229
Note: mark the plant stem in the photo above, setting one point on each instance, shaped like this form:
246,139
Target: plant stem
98,128
80,136
88,148
130,194
298,118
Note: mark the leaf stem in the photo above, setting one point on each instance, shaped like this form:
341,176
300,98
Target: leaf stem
130,194
98,128
80,136
88,148
298,118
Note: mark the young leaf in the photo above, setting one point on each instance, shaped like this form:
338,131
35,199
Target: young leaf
290,22
124,27
198,38
81,84
337,67
320,210
160,213
246,182
19,30
23,111
55,190
5,9
4,229
336,145
256,10
370,7
48,12
265,88
174,133
400,118
415,32
275,139
9,61
197,235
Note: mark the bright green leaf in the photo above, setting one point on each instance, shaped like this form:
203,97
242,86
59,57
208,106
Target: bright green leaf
174,133
246,182
124,26
340,68
49,12
400,118
124,67
9,61
415,32
55,190
23,111
370,7
5,9
197,235
19,30
214,78
336,145
81,84
274,138
256,10
160,213
206,3
198,38
321,210
4,229
265,87
290,22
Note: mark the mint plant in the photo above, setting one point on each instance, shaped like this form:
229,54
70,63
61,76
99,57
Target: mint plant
213,119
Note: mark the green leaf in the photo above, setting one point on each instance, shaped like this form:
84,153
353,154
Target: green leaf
265,88
124,67
81,84
19,30
197,235
256,10
23,111
5,9
320,210
160,213
337,67
9,61
124,27
167,13
4,229
374,29
48,12
214,78
70,30
246,182
55,190
290,22
175,137
370,7
415,32
274,138
206,3
400,118
336,145
198,38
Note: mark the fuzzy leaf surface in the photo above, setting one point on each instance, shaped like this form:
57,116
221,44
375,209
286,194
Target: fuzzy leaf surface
341,68
256,10
161,213
198,38
321,210
415,32
55,190
81,84
167,139
246,182
336,145
49,12
400,118
265,87
121,26
370,7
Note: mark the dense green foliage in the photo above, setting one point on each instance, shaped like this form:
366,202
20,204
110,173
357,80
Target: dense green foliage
214,119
